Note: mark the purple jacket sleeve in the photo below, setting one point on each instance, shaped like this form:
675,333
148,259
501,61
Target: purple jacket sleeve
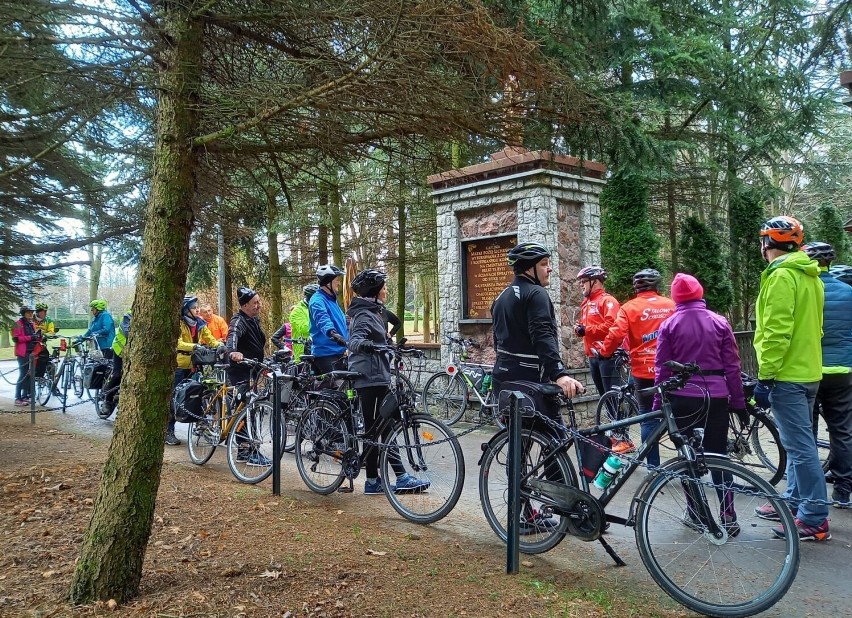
731,362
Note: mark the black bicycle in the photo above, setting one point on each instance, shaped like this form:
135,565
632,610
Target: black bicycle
331,447
694,520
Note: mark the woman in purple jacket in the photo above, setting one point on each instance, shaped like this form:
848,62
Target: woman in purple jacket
695,334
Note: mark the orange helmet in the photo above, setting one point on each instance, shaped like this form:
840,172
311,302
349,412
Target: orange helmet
782,232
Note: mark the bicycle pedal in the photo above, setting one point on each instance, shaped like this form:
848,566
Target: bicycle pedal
345,490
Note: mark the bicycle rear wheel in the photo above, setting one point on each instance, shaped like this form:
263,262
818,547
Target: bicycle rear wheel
202,437
44,385
616,406
746,571
445,397
541,530
758,448
250,442
430,452
322,438
77,378
292,414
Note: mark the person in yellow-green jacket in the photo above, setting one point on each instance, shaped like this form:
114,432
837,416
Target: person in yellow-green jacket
787,341
193,333
108,403
300,325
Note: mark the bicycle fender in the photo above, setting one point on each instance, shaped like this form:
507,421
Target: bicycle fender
486,446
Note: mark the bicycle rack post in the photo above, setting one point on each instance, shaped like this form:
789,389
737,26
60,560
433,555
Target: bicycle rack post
32,387
276,435
513,541
66,366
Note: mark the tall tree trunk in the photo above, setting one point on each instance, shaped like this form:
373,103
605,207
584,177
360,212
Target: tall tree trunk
427,308
274,261
228,276
401,220
415,328
305,261
113,549
336,225
322,231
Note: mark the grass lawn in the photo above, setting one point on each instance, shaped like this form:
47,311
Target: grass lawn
9,353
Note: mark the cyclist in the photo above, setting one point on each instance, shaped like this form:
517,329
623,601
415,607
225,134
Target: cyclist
118,345
695,334
366,312
835,388
285,332
597,315
638,321
102,327
327,322
787,339
42,321
300,327
841,272
194,333
216,323
25,336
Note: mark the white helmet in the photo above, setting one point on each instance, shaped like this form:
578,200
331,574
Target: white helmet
327,273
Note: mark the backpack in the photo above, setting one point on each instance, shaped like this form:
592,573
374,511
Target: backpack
187,401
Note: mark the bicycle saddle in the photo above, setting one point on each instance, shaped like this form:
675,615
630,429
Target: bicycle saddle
345,375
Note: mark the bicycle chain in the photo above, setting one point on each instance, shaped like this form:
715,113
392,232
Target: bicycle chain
791,502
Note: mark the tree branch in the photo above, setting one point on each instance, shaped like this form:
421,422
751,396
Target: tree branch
65,245
57,266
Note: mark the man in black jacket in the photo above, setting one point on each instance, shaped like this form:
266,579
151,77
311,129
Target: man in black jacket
246,338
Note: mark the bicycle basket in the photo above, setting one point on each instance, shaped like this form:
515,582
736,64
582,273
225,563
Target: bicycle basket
186,401
285,388
94,374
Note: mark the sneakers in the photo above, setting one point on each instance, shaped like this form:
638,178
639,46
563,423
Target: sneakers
407,484
258,460
171,439
842,496
767,511
20,402
243,455
806,532
537,523
623,446
374,488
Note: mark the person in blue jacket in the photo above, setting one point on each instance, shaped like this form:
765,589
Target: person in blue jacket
835,388
328,324
102,327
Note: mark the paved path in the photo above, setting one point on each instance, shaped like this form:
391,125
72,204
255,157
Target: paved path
822,587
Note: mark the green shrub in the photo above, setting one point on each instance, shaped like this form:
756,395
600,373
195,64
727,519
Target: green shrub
69,323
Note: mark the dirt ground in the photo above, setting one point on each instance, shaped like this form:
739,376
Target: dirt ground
219,548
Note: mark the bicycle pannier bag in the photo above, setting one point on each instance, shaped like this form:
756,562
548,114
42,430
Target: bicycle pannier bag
390,406
593,453
94,374
187,401
205,356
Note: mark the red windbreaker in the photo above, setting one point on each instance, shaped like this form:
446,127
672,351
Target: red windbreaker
597,315
639,321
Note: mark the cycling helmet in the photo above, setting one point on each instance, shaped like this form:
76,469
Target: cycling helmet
821,252
647,279
367,283
842,272
328,273
525,255
783,232
309,290
188,303
592,272
26,308
99,303
41,307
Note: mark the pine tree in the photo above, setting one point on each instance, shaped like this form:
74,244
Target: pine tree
703,256
628,240
746,215
827,226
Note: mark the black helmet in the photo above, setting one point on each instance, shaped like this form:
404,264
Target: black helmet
525,255
188,303
327,273
26,308
592,272
821,252
647,279
841,272
309,290
367,283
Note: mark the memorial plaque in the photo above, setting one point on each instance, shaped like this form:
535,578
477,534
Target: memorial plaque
486,274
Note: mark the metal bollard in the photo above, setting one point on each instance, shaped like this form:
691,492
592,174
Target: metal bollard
513,541
32,387
276,435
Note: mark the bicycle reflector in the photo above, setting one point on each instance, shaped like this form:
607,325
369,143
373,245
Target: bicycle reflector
427,435
63,344
451,370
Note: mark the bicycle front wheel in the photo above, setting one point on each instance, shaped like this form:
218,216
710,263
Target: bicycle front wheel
445,397
322,438
427,450
77,379
250,443
44,385
202,437
541,528
292,414
763,453
744,572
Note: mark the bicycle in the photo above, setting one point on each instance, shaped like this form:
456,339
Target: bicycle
447,394
706,550
46,384
330,447
753,437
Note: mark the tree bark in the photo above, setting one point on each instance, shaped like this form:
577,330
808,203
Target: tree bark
274,261
402,222
336,224
322,231
110,563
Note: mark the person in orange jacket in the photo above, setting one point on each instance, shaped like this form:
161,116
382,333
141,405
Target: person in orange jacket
637,323
597,316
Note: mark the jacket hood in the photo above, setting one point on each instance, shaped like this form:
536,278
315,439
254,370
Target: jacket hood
798,260
362,305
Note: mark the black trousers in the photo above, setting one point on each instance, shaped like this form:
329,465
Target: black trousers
371,399
835,395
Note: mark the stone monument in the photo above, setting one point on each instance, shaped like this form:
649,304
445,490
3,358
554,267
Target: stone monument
485,209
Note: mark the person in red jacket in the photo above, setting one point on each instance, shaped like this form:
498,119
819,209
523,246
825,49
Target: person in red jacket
597,315
638,321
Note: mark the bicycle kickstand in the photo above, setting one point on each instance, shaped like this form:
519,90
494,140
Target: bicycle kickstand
346,490
615,557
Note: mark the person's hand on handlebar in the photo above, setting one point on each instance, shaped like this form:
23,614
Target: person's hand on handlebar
570,386
337,337
236,356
